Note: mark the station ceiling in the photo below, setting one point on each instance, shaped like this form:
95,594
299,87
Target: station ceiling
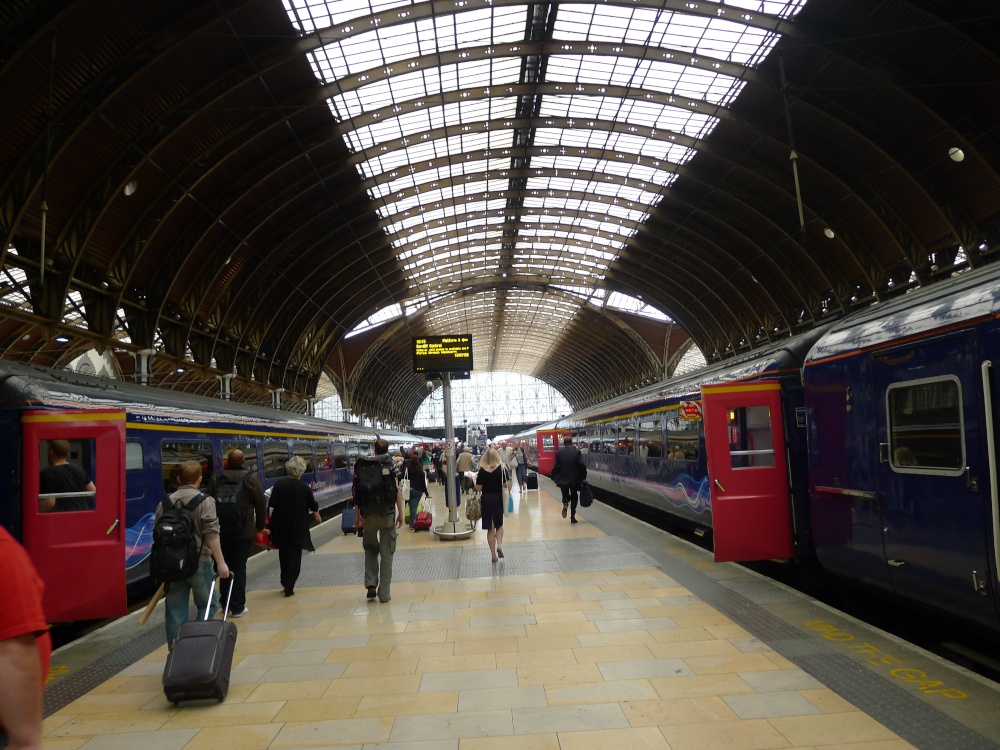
243,185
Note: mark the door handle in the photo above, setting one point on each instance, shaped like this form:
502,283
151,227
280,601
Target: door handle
111,528
719,485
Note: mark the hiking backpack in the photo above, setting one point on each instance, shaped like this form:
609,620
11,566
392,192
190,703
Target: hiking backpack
376,487
175,553
230,505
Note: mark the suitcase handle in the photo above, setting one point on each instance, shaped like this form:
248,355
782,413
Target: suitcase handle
211,593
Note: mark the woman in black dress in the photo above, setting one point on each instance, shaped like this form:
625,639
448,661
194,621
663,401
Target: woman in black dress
491,482
290,506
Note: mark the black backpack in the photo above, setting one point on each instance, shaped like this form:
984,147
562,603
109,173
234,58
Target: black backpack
175,553
376,487
230,505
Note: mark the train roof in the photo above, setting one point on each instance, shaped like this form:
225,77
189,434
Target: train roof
969,296
32,387
779,357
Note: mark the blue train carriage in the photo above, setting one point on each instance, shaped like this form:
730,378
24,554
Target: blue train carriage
713,450
130,439
902,413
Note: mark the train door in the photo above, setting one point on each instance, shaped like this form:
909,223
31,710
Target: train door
933,480
77,539
747,471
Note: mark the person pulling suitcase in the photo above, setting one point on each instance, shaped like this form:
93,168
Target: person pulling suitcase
185,542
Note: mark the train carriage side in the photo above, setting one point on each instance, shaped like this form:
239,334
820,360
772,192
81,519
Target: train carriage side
901,413
129,440
655,447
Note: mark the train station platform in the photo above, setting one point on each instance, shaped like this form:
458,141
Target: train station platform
606,633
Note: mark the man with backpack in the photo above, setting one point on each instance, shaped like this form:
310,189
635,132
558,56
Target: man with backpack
185,541
240,507
378,499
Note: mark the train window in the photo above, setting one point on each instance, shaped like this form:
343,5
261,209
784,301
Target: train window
133,455
650,439
339,456
626,438
173,454
305,452
66,484
352,455
275,455
925,426
750,442
249,454
324,457
681,436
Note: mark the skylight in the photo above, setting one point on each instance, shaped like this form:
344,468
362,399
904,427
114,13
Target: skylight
524,142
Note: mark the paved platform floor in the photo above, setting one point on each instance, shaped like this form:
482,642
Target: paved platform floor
603,634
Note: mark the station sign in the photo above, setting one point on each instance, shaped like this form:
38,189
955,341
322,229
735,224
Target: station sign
440,354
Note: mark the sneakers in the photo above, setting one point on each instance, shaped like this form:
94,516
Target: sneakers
371,592
244,611
565,508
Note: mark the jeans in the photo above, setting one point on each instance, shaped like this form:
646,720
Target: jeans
414,501
236,552
380,544
178,597
522,474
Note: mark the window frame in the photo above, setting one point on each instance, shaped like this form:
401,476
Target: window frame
889,433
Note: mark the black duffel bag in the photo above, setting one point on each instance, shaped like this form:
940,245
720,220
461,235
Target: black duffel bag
586,495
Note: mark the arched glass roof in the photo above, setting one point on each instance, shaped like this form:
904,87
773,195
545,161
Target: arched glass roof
514,148
493,399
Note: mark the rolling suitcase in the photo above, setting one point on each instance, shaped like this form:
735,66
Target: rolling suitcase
347,521
532,480
202,658
423,521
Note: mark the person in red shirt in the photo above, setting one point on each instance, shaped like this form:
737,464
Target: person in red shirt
25,647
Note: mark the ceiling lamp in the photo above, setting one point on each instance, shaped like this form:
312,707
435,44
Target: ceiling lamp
130,187
956,154
829,233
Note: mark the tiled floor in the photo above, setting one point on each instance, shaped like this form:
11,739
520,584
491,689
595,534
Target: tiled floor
621,658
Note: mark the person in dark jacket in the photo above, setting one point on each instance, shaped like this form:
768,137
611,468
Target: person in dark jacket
414,469
291,503
236,547
568,473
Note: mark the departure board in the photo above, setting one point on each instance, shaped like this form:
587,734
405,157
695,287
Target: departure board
442,354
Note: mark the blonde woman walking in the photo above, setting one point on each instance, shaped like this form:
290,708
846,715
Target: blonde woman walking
491,482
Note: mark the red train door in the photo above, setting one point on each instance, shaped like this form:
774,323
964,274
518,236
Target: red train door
747,471
77,544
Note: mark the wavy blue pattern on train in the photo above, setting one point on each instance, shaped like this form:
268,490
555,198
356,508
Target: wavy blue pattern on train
686,490
138,540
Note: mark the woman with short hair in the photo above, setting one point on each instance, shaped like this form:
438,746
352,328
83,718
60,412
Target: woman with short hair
290,506
491,481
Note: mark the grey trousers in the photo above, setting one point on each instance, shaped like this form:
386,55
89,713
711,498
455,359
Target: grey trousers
380,544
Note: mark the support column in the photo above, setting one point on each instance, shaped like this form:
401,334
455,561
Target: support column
143,366
276,398
453,528
226,386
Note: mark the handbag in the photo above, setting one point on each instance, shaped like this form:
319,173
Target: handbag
404,484
586,495
262,539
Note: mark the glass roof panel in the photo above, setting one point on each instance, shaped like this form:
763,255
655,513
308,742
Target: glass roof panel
468,191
